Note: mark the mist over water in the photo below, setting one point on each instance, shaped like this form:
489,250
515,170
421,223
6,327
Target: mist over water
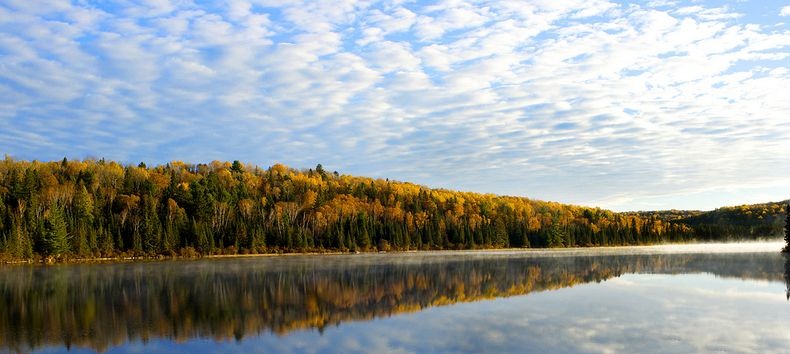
701,247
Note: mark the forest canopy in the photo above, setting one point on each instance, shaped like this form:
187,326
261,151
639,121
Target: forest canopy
97,208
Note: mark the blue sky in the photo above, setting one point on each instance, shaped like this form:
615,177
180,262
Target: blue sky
627,106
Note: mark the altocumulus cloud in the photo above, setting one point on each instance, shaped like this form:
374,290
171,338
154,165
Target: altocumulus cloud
627,106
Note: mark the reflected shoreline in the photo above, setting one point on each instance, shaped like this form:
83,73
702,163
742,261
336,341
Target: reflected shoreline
99,306
768,245
787,275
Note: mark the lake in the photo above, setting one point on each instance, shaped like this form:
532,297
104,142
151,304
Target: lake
663,299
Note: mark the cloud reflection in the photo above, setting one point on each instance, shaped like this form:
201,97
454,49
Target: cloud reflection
466,302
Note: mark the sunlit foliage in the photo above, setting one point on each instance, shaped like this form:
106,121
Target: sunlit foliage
84,209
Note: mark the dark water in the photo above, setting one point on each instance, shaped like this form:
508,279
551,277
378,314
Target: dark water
660,299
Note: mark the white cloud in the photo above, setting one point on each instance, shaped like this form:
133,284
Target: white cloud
389,56
578,101
785,11
594,8
381,24
436,57
450,16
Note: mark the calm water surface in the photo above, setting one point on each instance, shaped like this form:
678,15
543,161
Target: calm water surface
681,299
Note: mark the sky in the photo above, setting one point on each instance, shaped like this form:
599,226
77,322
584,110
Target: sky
626,106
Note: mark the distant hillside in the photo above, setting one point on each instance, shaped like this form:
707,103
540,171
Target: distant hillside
745,221
755,221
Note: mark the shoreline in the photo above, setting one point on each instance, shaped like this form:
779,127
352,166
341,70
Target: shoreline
690,247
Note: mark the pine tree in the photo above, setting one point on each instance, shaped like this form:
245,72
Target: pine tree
84,237
56,240
555,234
237,167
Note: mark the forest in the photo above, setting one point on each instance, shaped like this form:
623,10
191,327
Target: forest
82,209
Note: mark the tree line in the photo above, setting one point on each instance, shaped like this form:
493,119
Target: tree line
97,208
741,222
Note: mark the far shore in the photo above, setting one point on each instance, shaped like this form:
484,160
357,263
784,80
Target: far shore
689,247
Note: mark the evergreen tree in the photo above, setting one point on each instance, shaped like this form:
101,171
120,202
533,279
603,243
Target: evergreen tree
237,167
555,235
56,240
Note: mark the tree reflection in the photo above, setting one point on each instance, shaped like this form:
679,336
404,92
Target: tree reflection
787,274
100,306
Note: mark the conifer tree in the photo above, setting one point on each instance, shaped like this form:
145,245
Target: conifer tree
56,241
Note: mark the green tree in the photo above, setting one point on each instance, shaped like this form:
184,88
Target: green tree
56,238
556,234
237,167
84,235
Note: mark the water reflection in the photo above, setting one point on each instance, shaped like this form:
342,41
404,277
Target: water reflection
101,306
787,274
